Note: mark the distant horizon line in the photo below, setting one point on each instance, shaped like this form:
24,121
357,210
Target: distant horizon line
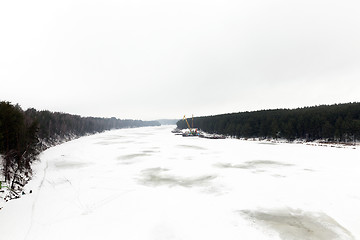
173,119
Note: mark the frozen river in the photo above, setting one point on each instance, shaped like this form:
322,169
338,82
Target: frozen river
148,183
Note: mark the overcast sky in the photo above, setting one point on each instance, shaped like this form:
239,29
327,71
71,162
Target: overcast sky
149,59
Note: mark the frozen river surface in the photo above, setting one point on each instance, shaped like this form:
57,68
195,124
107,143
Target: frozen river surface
147,183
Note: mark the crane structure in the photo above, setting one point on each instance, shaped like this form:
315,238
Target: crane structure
193,132
184,119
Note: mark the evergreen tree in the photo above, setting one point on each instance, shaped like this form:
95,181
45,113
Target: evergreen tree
24,134
339,122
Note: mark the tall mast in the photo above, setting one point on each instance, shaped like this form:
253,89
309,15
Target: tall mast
192,124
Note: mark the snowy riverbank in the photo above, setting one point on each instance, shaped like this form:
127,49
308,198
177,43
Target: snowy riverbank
151,184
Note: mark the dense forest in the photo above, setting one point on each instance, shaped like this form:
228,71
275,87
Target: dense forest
54,125
24,134
339,122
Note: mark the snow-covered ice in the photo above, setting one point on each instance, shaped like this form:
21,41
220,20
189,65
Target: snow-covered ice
147,183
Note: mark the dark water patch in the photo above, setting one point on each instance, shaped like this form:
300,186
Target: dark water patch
309,170
150,151
158,177
278,176
254,164
298,225
132,156
268,143
70,165
191,147
267,163
259,171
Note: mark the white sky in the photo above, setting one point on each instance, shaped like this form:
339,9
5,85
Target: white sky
145,59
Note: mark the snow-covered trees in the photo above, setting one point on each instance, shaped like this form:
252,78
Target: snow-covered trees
24,134
17,144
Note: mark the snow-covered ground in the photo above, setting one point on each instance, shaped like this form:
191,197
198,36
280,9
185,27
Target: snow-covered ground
148,183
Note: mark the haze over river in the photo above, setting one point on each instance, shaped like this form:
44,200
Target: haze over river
147,183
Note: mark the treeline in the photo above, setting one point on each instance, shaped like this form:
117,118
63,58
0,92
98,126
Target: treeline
18,145
339,122
24,134
55,125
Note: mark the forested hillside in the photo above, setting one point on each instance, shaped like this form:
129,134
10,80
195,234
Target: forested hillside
24,134
54,125
339,122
